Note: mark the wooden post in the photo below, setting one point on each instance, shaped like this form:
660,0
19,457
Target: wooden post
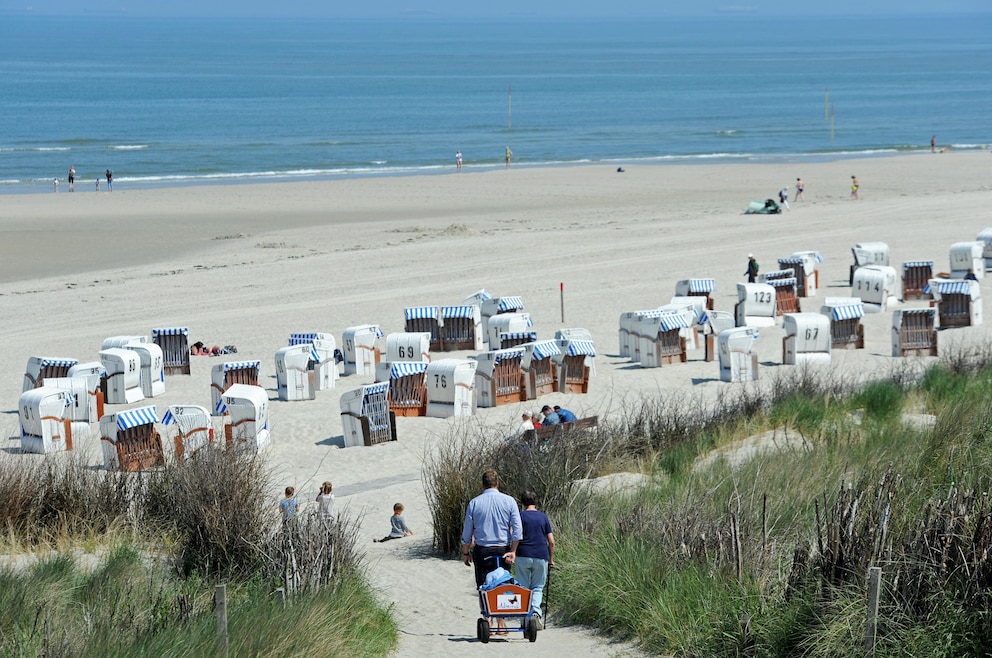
561,293
220,603
874,588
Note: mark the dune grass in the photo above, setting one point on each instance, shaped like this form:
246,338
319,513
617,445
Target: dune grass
117,564
770,556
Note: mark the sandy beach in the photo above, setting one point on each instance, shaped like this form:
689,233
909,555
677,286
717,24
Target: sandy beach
249,264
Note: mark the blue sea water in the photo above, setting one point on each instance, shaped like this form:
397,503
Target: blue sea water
178,102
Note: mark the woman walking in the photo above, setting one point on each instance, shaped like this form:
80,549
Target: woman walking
536,552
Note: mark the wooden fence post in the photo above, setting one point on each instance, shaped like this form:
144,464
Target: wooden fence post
871,628
220,602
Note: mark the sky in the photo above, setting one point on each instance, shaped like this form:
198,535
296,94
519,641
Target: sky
500,9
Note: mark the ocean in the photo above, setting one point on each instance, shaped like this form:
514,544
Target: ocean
185,102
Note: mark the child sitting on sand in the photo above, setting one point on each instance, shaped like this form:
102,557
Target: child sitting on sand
398,529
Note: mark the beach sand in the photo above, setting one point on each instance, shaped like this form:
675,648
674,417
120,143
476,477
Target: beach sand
249,264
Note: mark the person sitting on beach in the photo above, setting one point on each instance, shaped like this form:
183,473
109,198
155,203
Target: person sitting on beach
549,416
526,424
398,528
565,415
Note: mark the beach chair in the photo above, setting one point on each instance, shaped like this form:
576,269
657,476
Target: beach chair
366,417
193,429
697,287
39,367
844,314
807,339
967,257
424,319
913,332
499,377
407,392
507,323
225,375
174,343
247,425
916,274
756,306
803,272
574,364
786,299
130,441
540,374
738,361
959,302
876,286
451,387
661,341
43,413
461,328
868,253
322,361
122,385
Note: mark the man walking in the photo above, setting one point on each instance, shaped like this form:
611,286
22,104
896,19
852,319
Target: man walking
492,528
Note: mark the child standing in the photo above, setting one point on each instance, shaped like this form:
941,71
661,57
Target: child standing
398,527
288,506
325,503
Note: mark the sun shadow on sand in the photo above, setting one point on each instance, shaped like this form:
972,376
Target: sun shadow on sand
704,380
337,441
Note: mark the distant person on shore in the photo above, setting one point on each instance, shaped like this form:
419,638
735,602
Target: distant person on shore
97,183
752,269
288,506
397,526
110,181
458,160
933,144
72,178
509,156
783,197
800,187
325,502
854,188
55,183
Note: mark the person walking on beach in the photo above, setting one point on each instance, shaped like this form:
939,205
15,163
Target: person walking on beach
854,188
325,503
110,181
491,530
509,154
933,144
800,186
458,160
536,552
97,183
783,197
55,182
752,269
72,177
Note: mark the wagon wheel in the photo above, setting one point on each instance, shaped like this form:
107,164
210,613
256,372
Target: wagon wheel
532,629
482,630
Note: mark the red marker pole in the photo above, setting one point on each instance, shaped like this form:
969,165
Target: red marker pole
561,291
